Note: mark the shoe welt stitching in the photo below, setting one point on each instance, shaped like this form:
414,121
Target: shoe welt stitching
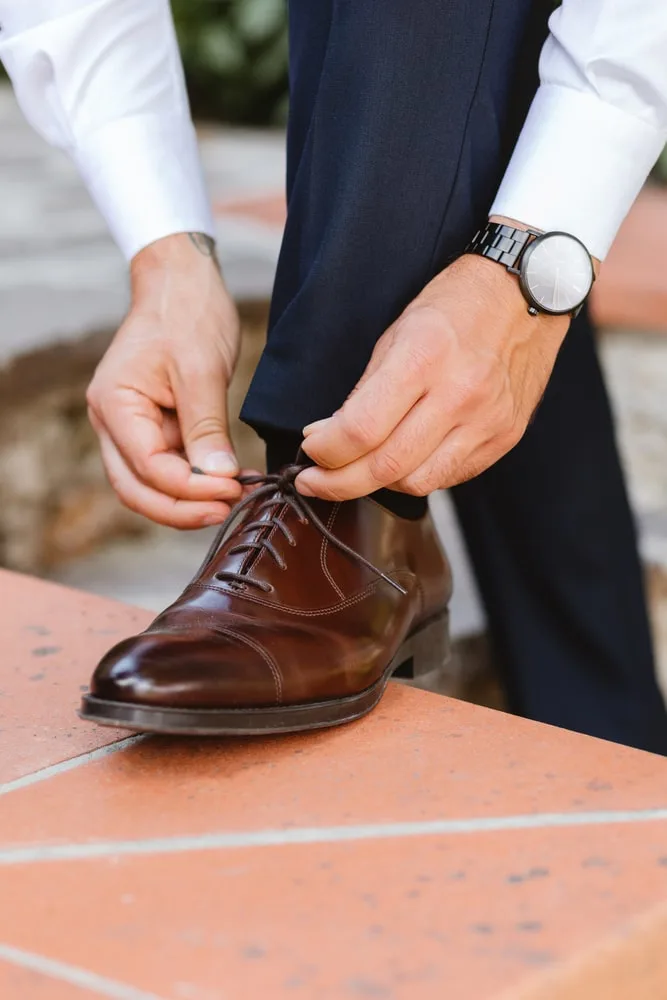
323,553
333,609
264,653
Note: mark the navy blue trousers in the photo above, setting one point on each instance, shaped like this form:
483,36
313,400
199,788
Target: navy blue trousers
403,117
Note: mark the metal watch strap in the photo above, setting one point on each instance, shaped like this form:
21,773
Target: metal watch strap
501,243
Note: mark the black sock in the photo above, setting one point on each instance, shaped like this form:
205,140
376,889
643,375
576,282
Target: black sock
401,504
282,448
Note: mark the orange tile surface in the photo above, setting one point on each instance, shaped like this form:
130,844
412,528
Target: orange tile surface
435,849
17,982
51,640
627,963
477,912
418,756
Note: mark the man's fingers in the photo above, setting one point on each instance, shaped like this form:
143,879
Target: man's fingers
411,443
247,490
148,501
371,413
201,402
462,456
466,451
149,442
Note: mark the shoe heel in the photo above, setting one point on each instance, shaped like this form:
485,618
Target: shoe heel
424,655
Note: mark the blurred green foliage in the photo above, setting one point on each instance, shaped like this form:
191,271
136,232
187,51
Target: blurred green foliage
235,57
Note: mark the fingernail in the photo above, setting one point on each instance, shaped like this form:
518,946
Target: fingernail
212,519
316,426
220,463
303,488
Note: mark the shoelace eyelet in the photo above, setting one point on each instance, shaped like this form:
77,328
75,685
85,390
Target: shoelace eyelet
282,490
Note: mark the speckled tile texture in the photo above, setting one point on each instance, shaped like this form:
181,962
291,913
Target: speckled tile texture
434,849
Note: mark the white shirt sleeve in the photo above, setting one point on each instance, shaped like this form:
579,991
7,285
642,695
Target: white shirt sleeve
598,122
103,79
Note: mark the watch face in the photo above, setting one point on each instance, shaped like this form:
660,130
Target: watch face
556,272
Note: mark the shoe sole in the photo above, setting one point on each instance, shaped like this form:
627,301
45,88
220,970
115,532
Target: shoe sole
426,649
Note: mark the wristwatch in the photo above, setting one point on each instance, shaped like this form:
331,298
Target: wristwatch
555,270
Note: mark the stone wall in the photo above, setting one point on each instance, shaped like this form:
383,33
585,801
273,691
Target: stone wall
55,502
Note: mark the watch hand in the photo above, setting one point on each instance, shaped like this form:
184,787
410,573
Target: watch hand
555,291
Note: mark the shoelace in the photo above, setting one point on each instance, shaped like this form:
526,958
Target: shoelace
279,489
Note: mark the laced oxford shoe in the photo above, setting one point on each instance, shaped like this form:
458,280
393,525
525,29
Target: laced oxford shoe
297,619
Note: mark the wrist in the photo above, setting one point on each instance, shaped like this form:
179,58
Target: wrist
189,258
495,285
554,270
505,221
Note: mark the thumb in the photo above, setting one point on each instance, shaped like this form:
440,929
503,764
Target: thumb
201,405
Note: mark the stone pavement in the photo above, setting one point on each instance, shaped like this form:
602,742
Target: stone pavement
432,849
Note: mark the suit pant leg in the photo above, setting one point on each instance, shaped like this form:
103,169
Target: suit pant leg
403,116
553,545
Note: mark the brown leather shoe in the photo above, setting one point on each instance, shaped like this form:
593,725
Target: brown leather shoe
297,619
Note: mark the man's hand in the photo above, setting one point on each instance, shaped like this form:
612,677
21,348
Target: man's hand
158,398
450,388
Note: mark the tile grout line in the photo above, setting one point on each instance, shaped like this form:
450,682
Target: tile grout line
69,765
321,835
72,974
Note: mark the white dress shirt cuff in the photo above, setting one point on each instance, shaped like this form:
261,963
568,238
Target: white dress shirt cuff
578,166
154,187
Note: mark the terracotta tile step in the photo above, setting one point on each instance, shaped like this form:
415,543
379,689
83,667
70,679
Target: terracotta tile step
434,845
